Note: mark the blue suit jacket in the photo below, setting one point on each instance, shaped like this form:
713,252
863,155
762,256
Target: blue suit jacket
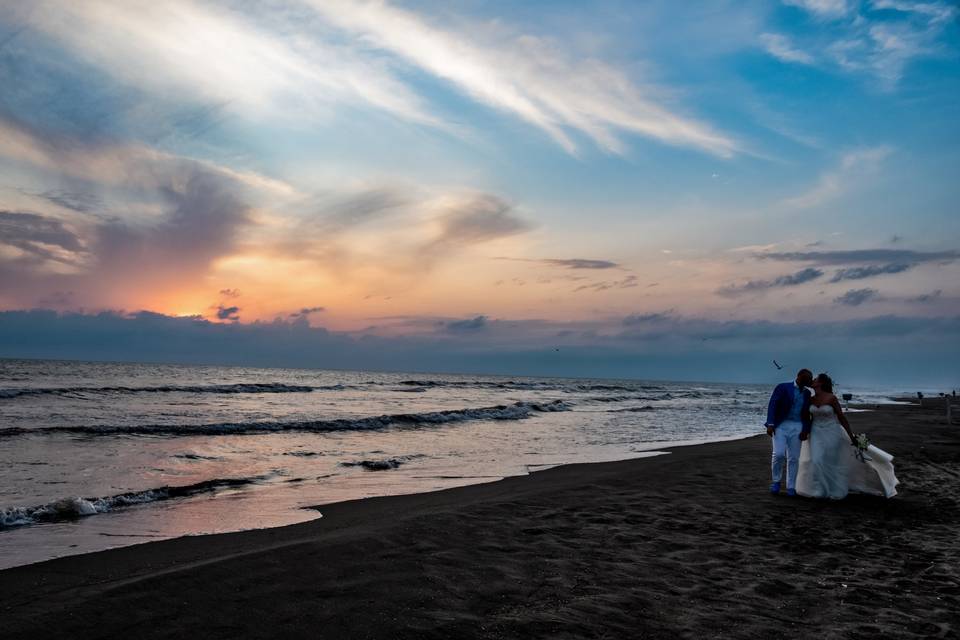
782,401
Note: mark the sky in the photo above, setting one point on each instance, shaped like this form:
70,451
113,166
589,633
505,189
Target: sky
659,189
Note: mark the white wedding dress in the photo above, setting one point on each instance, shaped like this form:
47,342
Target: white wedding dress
830,467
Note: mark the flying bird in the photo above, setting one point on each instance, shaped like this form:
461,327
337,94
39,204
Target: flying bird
777,365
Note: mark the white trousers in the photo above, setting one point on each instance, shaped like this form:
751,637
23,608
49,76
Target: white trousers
786,448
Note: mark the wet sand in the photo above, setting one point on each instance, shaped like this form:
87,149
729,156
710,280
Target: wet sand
685,545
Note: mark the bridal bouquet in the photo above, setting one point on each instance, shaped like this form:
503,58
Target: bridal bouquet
862,443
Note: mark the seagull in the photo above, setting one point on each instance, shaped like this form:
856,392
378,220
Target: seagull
777,365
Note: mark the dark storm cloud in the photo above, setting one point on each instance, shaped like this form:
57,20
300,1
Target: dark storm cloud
860,273
900,256
756,286
856,297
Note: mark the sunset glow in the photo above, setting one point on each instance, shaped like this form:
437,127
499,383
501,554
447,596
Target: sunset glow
540,174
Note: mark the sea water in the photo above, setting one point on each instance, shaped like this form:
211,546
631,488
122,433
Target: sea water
99,455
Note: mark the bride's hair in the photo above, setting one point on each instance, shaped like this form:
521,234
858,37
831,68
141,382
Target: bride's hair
826,382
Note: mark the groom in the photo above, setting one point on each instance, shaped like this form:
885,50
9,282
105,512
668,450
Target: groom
788,422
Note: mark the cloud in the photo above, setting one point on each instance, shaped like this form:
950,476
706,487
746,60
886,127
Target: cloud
475,220
230,293
780,47
936,12
862,255
196,214
758,286
922,348
888,35
854,166
355,209
306,312
580,263
228,313
471,324
627,282
856,297
636,319
74,200
860,273
40,238
570,263
530,77
268,62
924,298
822,8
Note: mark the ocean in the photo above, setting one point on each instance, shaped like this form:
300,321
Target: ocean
100,455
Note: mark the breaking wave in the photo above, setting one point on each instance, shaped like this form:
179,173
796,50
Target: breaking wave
75,507
515,411
384,464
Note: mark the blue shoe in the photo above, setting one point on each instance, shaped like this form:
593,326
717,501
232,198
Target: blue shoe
775,488
792,493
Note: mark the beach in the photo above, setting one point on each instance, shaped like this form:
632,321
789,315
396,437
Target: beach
688,544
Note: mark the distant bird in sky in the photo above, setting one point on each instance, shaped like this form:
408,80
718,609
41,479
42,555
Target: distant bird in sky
777,365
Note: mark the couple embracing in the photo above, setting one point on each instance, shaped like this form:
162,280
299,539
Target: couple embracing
812,438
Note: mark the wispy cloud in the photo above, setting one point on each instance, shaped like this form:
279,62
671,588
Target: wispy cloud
569,263
780,47
40,238
925,298
478,219
851,256
935,11
852,168
525,75
624,283
822,8
758,286
884,45
860,273
206,51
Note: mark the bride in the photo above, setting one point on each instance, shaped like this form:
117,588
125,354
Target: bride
829,466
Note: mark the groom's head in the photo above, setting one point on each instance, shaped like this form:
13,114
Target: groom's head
804,377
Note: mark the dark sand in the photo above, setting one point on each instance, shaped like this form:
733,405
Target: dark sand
685,545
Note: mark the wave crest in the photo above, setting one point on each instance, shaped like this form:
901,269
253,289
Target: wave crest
75,507
515,411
